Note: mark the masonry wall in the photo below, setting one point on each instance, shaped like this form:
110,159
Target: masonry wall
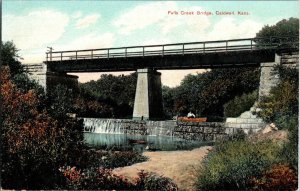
206,131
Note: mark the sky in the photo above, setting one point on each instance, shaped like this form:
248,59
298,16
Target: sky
73,25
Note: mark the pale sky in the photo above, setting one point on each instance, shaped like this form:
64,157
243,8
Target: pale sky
71,25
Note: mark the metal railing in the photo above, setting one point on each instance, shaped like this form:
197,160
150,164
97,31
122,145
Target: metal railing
176,49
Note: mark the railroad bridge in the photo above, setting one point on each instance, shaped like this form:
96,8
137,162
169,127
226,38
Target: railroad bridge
146,60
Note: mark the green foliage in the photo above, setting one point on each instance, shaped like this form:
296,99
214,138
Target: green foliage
33,142
284,27
152,181
10,58
112,159
289,153
115,94
168,101
60,101
232,164
283,99
205,93
239,104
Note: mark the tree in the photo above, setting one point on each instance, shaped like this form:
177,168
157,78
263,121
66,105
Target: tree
206,93
284,27
114,94
34,144
10,57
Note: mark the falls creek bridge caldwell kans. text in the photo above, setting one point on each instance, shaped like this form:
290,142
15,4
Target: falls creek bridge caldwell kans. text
250,52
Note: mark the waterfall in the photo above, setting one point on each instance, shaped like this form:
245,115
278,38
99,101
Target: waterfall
120,126
97,125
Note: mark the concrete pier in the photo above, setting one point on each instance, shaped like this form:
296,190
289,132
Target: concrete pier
148,95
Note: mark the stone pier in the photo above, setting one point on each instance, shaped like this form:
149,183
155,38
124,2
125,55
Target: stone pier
268,79
148,96
248,121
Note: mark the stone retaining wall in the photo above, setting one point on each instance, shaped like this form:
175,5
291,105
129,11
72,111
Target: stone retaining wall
204,131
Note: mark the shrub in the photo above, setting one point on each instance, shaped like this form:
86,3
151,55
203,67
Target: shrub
239,104
281,107
278,177
101,178
94,179
231,164
283,99
152,181
107,159
34,144
289,153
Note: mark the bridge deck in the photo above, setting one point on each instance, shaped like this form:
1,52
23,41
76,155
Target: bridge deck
208,54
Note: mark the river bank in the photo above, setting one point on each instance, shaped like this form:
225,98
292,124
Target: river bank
180,166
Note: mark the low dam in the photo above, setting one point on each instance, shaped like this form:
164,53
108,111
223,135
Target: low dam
203,131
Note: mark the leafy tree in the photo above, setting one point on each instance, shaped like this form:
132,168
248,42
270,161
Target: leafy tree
240,104
10,57
283,99
206,93
284,27
168,101
114,94
34,144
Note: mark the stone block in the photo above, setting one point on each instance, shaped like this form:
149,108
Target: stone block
246,114
241,120
255,120
231,120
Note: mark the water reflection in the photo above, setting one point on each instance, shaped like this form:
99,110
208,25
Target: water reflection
139,143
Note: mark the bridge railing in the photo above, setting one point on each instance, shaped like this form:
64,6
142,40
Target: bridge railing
176,49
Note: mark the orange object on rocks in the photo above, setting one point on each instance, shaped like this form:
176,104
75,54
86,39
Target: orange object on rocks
186,119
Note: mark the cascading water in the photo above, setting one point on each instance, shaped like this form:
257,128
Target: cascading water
118,126
111,126
119,133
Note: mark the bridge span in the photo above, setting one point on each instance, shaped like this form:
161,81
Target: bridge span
192,55
250,52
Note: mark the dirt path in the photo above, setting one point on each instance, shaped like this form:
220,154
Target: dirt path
177,165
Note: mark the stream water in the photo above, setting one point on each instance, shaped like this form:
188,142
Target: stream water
139,143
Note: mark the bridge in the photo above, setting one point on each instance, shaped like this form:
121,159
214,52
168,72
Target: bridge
192,55
248,52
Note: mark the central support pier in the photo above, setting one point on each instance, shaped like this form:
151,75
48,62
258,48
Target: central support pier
148,96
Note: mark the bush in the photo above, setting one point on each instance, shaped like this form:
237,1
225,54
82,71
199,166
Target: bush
34,143
232,164
152,181
101,178
107,159
281,107
94,179
240,104
289,153
283,99
279,177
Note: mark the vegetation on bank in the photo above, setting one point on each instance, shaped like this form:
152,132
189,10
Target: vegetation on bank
42,147
243,164
267,165
204,94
